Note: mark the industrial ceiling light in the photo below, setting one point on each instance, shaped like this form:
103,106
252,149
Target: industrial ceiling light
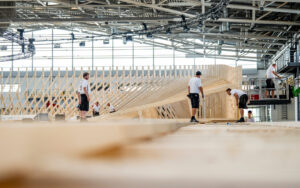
124,40
21,31
185,28
82,44
252,27
23,48
200,26
31,47
200,29
145,27
3,48
149,35
106,41
57,45
168,31
129,38
183,18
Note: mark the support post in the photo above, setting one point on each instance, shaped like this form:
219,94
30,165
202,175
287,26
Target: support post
112,54
52,50
92,52
132,53
72,53
153,61
12,52
32,55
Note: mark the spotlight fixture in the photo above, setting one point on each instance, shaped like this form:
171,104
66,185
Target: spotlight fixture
168,31
31,47
219,51
200,24
72,36
3,48
21,31
200,29
185,28
129,38
124,40
217,15
57,45
82,44
23,48
106,41
220,42
114,30
252,28
145,27
183,18
149,35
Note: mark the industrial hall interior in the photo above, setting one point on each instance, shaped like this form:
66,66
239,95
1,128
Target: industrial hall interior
149,93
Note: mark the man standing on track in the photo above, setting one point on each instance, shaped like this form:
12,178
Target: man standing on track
241,99
194,88
84,96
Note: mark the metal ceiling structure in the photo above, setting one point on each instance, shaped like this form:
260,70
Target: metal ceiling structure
259,27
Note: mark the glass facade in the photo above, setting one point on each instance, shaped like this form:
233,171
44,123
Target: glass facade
56,49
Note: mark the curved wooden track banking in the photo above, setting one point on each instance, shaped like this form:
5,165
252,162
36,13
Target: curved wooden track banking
28,147
126,88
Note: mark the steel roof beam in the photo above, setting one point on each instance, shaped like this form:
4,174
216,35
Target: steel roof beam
159,8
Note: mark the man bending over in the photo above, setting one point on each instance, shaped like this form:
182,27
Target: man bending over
241,99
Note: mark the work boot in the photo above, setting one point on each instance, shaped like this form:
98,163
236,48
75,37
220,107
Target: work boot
241,120
193,120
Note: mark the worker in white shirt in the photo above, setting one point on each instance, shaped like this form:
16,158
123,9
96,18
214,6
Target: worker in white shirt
194,89
96,109
250,117
271,74
241,99
85,91
111,108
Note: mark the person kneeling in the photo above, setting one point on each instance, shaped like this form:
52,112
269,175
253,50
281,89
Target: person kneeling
96,109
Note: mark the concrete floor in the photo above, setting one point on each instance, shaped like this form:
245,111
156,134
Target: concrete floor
210,155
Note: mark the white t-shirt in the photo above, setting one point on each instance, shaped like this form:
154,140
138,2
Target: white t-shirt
269,72
194,84
250,120
238,92
96,108
111,108
84,84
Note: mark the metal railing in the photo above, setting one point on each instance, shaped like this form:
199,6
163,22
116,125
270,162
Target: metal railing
257,87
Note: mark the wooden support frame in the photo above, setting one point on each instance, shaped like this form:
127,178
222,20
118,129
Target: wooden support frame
54,92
